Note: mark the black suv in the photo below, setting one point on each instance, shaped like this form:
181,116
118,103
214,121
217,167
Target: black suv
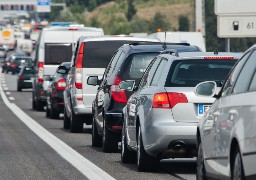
128,63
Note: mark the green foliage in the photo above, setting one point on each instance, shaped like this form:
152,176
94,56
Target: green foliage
159,21
131,10
183,23
117,25
212,41
139,25
77,8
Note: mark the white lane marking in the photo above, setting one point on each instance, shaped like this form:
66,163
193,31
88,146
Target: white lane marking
87,168
5,88
8,93
4,85
12,98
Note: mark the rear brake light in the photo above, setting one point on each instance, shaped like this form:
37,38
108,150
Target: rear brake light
79,66
61,84
117,94
161,101
40,72
219,57
21,78
72,29
168,100
176,98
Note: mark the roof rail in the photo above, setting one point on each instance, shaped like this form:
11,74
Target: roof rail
152,43
173,52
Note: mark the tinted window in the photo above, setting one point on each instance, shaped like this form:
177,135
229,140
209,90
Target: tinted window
229,84
188,73
23,61
57,53
245,75
97,54
114,62
136,65
158,73
147,76
27,71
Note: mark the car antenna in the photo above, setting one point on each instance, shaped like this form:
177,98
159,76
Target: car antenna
164,45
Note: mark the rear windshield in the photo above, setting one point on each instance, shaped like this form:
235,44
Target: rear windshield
188,73
137,64
23,61
27,71
98,54
57,53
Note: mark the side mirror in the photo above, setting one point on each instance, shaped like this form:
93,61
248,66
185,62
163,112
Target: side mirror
207,88
62,70
93,80
127,85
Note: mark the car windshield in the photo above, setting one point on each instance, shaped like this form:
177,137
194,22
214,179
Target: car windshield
188,73
27,71
23,61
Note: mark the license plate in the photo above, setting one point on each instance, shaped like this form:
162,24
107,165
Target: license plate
202,109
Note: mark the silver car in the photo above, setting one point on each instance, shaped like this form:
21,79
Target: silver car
227,134
161,117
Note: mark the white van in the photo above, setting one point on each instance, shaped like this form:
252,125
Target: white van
55,45
193,38
7,38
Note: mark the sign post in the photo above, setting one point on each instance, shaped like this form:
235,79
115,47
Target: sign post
43,6
235,18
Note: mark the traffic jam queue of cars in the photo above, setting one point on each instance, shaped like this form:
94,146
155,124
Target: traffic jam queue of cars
160,100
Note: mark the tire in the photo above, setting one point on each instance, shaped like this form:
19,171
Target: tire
13,72
109,140
237,167
127,156
47,113
54,113
96,138
66,120
200,173
19,88
76,124
39,105
145,162
33,102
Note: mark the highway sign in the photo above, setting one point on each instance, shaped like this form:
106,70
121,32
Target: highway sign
43,6
236,26
235,7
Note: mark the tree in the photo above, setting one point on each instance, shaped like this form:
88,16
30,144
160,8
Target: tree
159,21
131,10
183,23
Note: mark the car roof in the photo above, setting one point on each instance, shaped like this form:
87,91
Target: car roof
160,47
118,38
201,55
68,28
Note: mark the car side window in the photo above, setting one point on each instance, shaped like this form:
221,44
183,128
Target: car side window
158,73
253,83
245,75
113,63
148,75
230,82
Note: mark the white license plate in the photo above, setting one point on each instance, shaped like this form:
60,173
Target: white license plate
202,109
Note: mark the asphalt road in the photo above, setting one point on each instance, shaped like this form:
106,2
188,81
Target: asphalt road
25,156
